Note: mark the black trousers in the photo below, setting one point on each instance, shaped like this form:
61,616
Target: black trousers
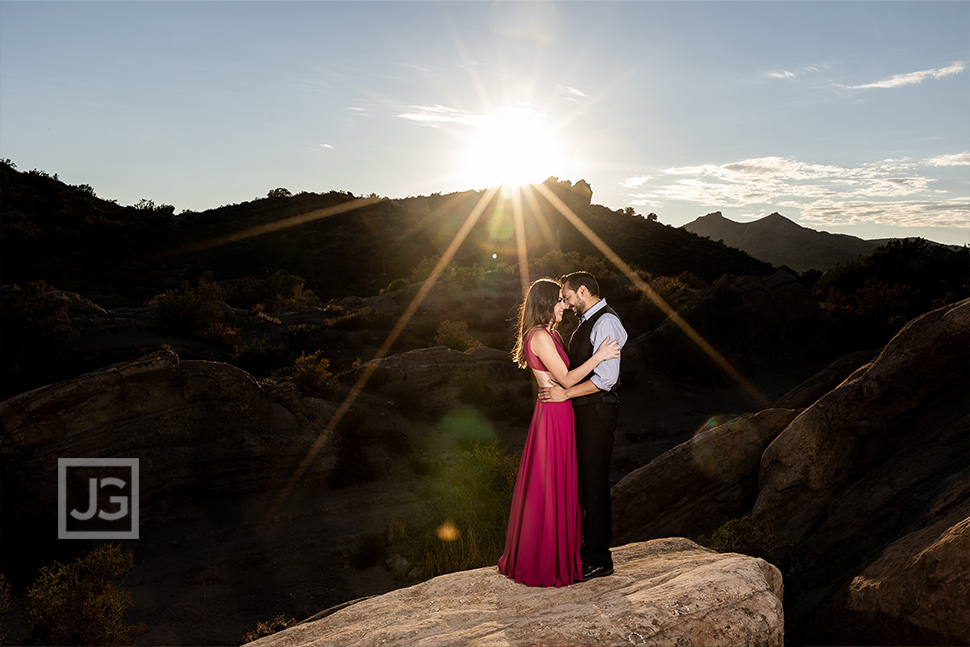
595,427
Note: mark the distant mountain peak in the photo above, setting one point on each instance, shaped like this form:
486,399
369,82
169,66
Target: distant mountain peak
781,241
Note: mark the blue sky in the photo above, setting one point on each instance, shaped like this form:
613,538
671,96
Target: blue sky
851,117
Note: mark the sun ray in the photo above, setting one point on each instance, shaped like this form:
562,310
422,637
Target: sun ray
652,295
259,230
392,336
520,243
538,218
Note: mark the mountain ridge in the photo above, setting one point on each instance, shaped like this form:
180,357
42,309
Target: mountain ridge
780,241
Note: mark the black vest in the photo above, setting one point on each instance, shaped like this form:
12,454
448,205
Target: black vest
581,349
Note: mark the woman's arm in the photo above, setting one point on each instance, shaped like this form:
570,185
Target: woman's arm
545,349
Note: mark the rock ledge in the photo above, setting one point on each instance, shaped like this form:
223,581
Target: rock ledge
664,592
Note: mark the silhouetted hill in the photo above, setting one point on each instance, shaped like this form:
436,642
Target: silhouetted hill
55,232
777,240
341,244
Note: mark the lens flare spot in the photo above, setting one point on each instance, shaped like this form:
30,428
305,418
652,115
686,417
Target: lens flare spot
447,531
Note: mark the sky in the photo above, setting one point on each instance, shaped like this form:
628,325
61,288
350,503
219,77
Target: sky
848,117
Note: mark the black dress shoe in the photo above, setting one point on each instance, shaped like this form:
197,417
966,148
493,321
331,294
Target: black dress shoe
590,571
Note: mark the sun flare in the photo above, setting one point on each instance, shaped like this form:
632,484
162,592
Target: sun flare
513,147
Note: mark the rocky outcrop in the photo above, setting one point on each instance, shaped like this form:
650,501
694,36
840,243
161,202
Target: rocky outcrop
199,429
911,594
880,458
862,424
867,489
664,592
699,484
825,380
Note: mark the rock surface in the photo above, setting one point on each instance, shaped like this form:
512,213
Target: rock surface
198,428
879,458
664,592
699,484
879,606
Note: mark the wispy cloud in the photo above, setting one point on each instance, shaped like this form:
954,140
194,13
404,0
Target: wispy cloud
913,78
636,181
793,74
900,213
572,93
438,114
891,191
958,159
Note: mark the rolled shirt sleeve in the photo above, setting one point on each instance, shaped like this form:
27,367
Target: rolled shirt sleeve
607,373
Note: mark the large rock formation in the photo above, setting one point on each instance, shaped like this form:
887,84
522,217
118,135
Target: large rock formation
867,489
879,458
200,429
664,592
699,484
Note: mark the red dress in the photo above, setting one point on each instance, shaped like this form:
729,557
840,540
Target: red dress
545,525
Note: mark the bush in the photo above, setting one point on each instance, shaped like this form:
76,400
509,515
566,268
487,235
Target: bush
6,602
76,604
454,334
274,292
470,502
311,374
270,627
37,334
396,285
189,311
262,358
744,535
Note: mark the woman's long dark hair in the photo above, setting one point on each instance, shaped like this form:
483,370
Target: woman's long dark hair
538,311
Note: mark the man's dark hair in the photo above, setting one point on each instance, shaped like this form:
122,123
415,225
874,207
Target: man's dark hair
577,279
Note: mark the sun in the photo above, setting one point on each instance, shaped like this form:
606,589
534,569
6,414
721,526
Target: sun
511,147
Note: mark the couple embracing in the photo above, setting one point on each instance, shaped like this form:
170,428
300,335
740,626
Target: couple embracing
560,526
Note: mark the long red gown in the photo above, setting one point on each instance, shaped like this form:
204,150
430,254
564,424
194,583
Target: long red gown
545,525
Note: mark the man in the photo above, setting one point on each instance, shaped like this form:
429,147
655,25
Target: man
596,407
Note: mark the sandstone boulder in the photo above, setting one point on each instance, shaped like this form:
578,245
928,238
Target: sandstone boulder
664,592
866,420
698,485
825,380
199,429
877,459
911,594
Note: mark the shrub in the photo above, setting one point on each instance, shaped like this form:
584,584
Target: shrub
744,535
261,358
273,292
37,333
396,285
265,628
471,498
311,374
6,602
454,334
76,604
190,310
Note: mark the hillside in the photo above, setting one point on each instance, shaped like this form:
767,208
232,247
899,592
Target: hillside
339,243
777,240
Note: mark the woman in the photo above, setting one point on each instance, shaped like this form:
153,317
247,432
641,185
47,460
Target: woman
545,524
